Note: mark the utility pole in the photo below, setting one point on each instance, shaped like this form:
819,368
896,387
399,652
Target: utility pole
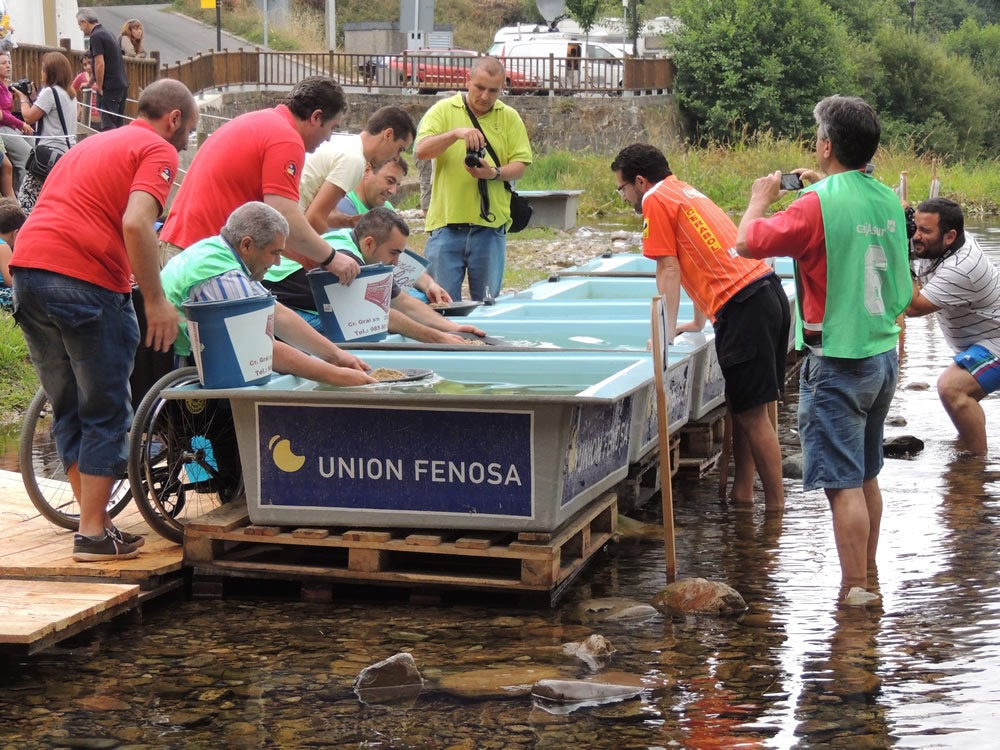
331,24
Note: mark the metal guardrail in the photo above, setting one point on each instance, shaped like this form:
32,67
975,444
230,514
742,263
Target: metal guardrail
406,72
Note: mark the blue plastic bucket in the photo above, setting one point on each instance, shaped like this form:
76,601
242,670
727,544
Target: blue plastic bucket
358,311
232,340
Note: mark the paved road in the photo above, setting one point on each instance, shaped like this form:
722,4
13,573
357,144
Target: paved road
176,37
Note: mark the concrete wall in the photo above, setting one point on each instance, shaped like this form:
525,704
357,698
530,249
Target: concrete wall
599,124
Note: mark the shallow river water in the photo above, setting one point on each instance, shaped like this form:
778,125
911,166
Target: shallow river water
919,669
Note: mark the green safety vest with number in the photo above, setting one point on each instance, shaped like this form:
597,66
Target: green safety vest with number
867,270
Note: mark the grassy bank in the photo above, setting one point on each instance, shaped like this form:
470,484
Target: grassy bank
725,174
17,378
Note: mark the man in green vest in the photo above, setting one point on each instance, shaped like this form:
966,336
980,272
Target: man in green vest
230,266
379,237
847,234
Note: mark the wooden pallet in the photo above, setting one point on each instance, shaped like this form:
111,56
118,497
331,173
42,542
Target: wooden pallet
643,480
700,439
699,466
224,545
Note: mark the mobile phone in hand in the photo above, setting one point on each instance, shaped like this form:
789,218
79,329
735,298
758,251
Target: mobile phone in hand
791,181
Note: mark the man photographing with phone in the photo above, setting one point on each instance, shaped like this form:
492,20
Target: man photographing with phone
847,234
692,241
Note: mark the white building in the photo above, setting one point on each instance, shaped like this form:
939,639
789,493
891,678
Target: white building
45,21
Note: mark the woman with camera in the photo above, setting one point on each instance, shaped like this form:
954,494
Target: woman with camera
11,126
54,115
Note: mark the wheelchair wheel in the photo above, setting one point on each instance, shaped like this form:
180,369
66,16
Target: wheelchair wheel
42,471
183,459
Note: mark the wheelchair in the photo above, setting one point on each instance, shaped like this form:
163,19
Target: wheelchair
183,459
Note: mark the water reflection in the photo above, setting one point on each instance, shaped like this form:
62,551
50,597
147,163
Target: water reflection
798,670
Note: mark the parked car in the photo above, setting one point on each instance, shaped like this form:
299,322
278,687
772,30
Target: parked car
562,63
433,70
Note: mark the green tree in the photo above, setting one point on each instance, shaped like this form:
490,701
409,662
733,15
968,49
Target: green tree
584,12
934,99
979,44
757,65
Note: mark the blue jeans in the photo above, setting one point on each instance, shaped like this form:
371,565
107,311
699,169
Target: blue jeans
843,404
82,339
457,248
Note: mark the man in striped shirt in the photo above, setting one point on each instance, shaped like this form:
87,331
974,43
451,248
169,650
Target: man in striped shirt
231,266
693,243
958,282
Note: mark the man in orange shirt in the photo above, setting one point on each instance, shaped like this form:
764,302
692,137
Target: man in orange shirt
693,241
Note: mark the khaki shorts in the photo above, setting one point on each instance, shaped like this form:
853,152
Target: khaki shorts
167,251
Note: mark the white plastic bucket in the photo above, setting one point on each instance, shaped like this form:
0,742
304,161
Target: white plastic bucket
355,312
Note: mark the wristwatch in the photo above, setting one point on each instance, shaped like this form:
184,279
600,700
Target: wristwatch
496,173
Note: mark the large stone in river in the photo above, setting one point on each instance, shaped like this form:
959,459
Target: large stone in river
392,680
511,682
612,609
700,596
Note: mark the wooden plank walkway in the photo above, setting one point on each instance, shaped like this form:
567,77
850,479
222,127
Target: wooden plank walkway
46,596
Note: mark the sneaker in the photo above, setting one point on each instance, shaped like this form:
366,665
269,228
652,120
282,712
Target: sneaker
126,538
88,549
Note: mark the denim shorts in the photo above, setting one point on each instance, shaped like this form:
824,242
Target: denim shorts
843,404
455,249
983,365
82,339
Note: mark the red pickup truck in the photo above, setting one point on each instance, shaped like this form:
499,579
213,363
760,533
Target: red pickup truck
433,70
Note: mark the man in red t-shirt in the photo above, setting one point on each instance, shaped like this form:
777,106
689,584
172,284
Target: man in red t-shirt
90,233
692,241
258,156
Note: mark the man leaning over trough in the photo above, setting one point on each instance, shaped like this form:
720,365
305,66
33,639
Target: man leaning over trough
72,291
379,237
258,156
691,239
336,167
231,266
958,282
847,234
470,206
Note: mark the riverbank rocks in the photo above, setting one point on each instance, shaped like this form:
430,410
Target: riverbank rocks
612,609
392,680
594,650
792,465
902,445
691,596
512,682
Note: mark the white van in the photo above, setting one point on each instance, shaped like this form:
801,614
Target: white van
559,62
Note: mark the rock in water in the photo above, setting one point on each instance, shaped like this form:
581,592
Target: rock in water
902,445
858,597
612,608
565,696
511,682
700,596
392,680
594,650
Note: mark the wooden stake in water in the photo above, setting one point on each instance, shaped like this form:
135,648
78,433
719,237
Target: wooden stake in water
659,340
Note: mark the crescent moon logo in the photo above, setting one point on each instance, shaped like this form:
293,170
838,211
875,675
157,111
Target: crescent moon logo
282,455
